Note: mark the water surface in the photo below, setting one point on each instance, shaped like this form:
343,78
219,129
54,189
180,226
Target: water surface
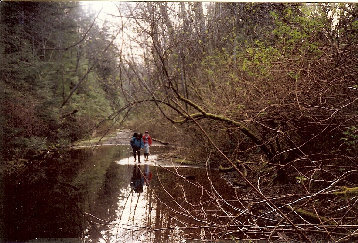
102,195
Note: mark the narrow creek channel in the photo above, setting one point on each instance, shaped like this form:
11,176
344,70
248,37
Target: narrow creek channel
102,195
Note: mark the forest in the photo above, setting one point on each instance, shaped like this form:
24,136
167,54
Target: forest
265,92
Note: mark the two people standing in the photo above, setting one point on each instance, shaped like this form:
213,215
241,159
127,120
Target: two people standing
139,141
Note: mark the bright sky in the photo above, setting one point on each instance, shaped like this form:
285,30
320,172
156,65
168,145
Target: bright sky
109,8
112,13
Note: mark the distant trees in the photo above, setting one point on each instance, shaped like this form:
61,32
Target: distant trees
47,48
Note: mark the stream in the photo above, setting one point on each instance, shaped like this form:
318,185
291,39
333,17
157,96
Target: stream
100,194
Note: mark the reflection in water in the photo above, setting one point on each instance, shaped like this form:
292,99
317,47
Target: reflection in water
137,180
147,174
163,206
103,196
140,177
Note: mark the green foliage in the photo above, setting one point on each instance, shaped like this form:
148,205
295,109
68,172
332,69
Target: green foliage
347,192
355,25
301,179
350,137
39,72
297,31
257,59
312,217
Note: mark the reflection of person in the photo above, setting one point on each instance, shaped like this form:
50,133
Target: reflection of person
147,140
136,143
147,174
137,180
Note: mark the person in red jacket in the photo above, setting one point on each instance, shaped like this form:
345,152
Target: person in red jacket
147,140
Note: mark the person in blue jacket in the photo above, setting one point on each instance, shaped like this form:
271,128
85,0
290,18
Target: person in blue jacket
137,144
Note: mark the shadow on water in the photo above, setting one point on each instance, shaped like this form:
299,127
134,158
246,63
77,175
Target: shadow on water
101,195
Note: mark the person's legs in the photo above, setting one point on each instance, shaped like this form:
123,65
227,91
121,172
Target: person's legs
146,151
138,151
134,154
